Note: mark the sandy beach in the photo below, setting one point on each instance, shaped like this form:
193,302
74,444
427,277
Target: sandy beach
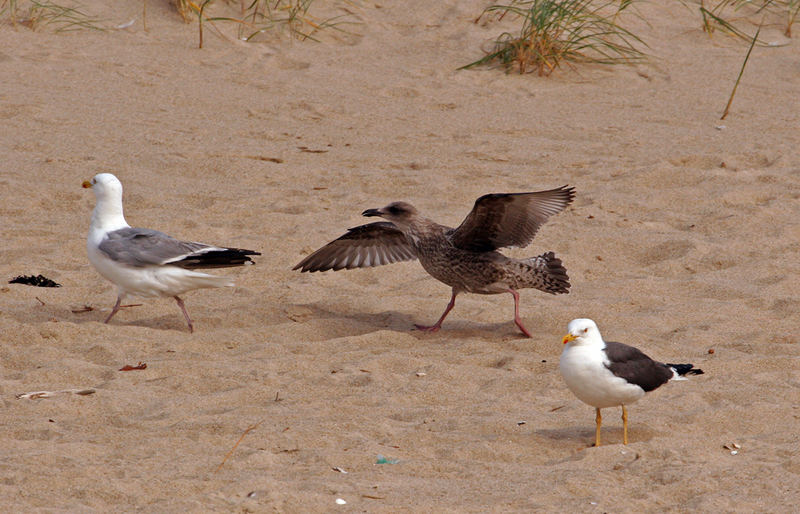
683,240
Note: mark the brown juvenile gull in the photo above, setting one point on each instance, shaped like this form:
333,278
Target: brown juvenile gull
607,374
466,257
148,263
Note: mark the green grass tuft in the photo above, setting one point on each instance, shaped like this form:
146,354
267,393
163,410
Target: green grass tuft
36,14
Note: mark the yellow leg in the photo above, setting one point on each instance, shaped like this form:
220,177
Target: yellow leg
599,420
624,425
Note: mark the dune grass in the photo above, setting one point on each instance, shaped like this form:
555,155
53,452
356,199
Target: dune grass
262,16
36,14
254,16
562,31
729,15
290,14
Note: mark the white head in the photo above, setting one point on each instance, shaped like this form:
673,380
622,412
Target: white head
583,332
108,192
105,185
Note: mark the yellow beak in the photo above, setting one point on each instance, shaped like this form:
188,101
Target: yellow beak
86,184
567,338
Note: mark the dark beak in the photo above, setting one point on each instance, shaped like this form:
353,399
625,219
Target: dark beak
371,212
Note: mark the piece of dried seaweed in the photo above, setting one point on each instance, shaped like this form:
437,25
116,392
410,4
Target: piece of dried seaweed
30,280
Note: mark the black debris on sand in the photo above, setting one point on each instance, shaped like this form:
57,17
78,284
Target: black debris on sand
38,281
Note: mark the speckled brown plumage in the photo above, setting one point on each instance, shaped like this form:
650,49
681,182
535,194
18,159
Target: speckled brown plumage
466,257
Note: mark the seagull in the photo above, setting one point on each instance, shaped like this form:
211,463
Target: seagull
149,263
607,374
466,257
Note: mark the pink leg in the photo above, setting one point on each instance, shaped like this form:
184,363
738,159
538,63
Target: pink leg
114,310
185,314
517,319
438,325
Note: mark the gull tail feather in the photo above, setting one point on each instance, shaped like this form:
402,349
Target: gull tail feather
549,275
684,369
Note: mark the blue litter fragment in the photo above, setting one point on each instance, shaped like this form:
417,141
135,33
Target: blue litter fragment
386,460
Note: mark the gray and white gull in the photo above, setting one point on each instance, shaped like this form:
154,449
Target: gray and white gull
148,263
465,257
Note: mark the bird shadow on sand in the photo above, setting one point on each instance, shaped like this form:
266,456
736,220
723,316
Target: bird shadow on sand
610,435
129,315
574,434
359,323
165,322
331,323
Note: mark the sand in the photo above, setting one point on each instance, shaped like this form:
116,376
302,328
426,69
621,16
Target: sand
683,239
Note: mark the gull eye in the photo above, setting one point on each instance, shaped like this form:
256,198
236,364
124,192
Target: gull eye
395,210
585,330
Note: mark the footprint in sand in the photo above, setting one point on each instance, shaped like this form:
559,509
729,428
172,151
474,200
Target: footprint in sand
666,251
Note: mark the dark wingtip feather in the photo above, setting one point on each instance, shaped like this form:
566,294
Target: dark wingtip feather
570,191
226,258
307,267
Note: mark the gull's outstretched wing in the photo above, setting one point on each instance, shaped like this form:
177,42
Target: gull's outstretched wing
373,244
509,219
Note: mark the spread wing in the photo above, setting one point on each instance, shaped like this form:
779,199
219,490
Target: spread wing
509,219
141,247
368,245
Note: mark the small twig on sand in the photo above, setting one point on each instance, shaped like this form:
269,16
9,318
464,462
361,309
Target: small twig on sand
128,367
36,395
40,300
89,308
251,427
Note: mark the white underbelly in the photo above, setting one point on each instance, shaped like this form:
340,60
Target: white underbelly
151,281
588,378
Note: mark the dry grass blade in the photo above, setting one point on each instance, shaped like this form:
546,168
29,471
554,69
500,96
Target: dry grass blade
710,20
201,19
10,7
184,9
230,452
199,10
556,31
741,71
